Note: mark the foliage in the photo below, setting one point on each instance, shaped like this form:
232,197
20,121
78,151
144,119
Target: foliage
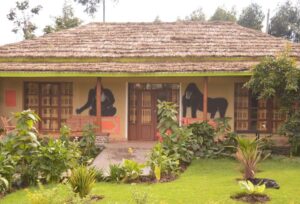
167,116
206,144
222,14
286,21
291,128
196,15
99,175
116,173
22,143
91,6
279,78
132,170
56,158
249,154
87,144
7,170
82,180
250,188
161,163
21,16
67,20
139,197
252,17
65,133
45,196
175,139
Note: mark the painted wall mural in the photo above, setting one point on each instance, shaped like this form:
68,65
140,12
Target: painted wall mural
107,103
193,98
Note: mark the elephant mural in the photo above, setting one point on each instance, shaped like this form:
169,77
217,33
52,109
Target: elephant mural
193,98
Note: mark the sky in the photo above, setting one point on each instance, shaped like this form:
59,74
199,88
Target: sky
124,11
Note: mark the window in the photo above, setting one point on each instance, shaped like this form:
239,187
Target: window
52,101
252,115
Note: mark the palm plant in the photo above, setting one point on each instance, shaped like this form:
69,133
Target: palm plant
249,154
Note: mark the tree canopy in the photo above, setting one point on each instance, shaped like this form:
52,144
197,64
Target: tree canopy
279,77
286,21
252,17
196,15
222,14
21,16
67,20
91,6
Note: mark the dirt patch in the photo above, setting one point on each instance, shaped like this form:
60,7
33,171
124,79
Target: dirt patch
251,198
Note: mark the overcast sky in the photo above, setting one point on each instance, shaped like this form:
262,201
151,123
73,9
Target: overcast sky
125,11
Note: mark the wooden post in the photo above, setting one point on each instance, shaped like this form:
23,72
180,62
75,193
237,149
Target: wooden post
98,103
205,93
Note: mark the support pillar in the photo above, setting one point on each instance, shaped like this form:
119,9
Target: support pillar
205,93
98,103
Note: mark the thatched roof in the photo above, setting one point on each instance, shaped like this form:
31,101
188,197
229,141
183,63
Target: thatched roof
129,67
178,39
144,48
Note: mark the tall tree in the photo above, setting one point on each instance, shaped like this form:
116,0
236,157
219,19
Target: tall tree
286,22
196,15
67,20
21,16
222,14
252,17
91,6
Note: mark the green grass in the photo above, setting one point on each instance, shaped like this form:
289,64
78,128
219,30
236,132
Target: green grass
205,181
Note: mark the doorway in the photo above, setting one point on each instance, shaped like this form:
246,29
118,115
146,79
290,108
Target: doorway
142,117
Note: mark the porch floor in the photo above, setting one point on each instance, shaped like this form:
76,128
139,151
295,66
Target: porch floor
114,153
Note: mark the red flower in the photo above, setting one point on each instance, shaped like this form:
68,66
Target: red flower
168,132
159,137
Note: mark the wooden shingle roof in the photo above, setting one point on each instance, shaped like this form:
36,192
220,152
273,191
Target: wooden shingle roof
180,39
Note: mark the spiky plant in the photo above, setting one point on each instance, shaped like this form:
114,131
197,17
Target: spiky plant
82,180
249,154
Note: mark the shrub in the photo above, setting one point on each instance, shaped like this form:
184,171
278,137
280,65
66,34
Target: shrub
7,170
161,161
249,154
22,143
116,173
82,180
87,144
250,188
56,158
65,132
132,170
46,196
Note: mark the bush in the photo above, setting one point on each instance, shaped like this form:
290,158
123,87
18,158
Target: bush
7,170
22,143
116,173
56,158
161,163
87,144
132,170
82,180
249,154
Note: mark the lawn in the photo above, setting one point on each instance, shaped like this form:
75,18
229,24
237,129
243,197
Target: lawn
205,181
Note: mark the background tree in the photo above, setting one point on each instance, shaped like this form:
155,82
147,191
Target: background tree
222,14
21,16
196,15
157,20
280,78
91,6
67,20
252,17
286,22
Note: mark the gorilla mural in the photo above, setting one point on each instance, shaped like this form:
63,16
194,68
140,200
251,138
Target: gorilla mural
194,98
107,102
